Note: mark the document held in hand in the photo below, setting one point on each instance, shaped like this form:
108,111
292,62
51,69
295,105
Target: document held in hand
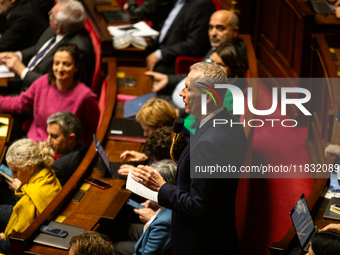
140,189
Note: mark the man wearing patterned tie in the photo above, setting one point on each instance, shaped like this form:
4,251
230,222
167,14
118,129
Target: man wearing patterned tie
67,20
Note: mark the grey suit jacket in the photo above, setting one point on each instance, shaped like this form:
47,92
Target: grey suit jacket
81,39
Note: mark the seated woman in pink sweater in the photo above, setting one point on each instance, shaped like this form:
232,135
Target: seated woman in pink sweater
59,90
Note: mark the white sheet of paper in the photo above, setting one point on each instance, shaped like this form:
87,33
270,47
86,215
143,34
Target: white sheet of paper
140,189
5,72
142,29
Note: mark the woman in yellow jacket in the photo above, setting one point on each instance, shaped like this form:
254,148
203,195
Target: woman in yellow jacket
30,163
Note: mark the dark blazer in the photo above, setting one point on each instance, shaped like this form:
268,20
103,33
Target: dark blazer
188,34
156,239
81,39
203,209
23,27
67,164
154,10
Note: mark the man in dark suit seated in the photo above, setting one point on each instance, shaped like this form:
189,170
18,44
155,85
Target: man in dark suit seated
23,25
63,129
183,33
203,201
67,19
223,27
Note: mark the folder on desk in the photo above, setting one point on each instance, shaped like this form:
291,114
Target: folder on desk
132,107
3,126
329,214
56,241
323,7
125,128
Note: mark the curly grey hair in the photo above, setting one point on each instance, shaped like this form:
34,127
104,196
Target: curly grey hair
25,152
167,169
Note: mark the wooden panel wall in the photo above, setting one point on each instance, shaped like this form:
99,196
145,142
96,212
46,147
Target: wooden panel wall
281,37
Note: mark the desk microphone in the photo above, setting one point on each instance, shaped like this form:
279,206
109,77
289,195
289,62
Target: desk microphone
176,129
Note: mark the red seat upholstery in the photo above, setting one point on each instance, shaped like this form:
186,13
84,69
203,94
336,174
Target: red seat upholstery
102,101
96,80
217,4
183,63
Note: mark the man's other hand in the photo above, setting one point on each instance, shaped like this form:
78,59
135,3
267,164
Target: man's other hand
332,149
159,80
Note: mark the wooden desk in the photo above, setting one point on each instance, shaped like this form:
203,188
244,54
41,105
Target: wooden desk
95,204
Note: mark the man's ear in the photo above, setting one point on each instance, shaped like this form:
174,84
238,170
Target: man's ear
235,34
71,138
58,29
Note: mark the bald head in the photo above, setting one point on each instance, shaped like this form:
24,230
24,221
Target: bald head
223,27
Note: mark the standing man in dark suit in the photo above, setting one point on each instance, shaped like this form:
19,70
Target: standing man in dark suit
203,201
23,25
183,33
67,19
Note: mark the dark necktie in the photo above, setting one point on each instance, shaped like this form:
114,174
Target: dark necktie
42,52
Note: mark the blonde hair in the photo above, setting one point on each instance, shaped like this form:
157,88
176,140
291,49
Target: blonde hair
26,152
157,112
